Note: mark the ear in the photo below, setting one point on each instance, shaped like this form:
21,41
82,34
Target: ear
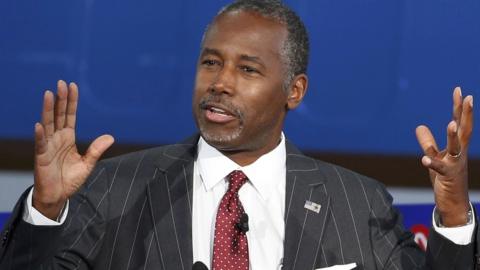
298,89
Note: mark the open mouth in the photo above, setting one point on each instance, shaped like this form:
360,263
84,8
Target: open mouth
216,114
217,110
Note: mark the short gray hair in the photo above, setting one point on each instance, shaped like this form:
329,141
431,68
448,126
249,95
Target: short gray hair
296,48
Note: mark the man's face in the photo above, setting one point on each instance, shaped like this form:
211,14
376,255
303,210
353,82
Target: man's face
239,103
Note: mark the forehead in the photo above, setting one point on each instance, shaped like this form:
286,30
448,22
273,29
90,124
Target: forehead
249,32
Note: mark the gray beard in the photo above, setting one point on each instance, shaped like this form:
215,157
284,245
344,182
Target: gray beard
214,138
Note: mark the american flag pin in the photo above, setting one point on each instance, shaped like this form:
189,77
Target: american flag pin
315,207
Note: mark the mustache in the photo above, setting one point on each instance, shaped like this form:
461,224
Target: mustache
212,100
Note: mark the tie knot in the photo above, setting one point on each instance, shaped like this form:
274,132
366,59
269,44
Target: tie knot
237,179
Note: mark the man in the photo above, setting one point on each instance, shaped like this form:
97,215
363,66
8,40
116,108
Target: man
239,196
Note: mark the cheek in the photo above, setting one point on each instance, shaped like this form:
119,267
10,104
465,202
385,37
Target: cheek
200,87
202,80
264,105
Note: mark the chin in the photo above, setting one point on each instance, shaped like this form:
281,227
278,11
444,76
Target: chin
221,140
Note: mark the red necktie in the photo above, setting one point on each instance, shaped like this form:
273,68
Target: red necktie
230,248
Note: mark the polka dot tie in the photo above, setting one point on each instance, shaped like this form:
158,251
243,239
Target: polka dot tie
230,248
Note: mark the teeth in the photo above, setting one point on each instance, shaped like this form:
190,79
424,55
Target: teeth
217,110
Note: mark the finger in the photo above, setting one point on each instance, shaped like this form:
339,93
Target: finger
453,142
426,141
40,139
466,123
47,114
434,164
72,106
60,104
457,104
97,148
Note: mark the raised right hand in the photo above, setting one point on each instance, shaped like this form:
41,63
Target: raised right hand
59,169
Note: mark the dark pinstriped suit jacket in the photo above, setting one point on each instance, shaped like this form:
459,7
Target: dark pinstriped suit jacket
134,212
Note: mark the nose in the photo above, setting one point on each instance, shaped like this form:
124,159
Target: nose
224,81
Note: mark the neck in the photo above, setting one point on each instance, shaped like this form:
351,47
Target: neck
247,157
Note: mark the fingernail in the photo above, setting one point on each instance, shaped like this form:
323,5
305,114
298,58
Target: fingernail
452,126
471,102
460,91
426,160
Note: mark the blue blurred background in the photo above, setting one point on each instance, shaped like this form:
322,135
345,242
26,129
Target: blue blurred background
377,68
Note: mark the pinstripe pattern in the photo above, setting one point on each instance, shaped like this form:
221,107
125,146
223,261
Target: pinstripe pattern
390,243
86,225
156,238
351,214
123,210
188,191
155,228
290,200
115,174
136,233
323,255
84,193
337,231
148,253
390,261
91,219
135,213
301,232
386,236
378,259
319,241
91,251
173,222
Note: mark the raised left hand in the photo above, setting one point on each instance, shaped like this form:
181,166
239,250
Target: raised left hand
448,168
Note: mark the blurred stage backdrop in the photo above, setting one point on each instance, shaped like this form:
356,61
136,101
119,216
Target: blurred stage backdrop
377,70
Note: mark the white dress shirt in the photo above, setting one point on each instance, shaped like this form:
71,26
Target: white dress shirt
262,197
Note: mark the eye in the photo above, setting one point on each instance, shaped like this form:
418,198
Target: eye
249,69
210,62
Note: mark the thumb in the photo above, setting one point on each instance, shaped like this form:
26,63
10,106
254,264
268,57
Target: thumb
97,148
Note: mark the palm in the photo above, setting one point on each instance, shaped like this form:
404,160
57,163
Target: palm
448,168
59,169
61,163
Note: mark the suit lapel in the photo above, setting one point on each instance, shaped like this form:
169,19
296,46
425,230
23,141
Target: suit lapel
303,227
170,199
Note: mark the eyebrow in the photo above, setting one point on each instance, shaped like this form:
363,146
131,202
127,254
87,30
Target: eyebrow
254,59
250,58
206,51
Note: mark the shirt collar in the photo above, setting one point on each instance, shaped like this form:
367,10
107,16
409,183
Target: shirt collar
263,174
